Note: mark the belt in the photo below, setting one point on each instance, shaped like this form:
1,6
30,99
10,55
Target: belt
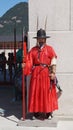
41,64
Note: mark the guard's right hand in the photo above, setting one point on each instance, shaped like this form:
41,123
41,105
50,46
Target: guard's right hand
23,65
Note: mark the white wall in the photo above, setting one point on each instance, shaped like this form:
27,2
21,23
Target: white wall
56,11
59,25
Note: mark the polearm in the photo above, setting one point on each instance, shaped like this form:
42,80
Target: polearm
23,79
15,46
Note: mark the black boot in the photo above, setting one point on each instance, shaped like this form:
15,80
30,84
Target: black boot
49,115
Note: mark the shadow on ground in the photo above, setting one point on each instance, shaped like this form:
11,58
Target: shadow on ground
7,104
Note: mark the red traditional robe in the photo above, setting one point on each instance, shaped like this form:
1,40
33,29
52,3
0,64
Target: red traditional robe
42,96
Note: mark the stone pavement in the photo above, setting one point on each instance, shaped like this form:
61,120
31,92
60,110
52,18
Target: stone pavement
13,112
10,123
39,123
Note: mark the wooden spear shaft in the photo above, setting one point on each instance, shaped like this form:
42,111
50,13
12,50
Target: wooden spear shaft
23,81
15,46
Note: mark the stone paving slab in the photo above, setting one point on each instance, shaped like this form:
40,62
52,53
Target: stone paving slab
11,123
39,123
65,118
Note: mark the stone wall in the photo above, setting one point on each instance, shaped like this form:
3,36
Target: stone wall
56,17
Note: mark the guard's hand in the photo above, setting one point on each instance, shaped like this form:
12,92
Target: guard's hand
52,76
23,65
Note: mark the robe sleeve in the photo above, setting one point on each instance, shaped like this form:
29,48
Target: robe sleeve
54,61
53,56
52,53
28,64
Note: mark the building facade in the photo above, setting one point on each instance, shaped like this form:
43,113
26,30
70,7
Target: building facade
8,43
56,17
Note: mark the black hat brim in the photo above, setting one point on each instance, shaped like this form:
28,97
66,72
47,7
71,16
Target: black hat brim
41,37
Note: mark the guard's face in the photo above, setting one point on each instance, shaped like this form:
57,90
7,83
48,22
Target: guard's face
41,42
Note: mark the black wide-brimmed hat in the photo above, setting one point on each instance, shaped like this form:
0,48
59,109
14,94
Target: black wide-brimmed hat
41,34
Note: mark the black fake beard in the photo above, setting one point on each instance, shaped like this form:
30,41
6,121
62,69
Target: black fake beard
41,44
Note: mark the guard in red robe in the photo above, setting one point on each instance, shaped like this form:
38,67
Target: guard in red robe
42,94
